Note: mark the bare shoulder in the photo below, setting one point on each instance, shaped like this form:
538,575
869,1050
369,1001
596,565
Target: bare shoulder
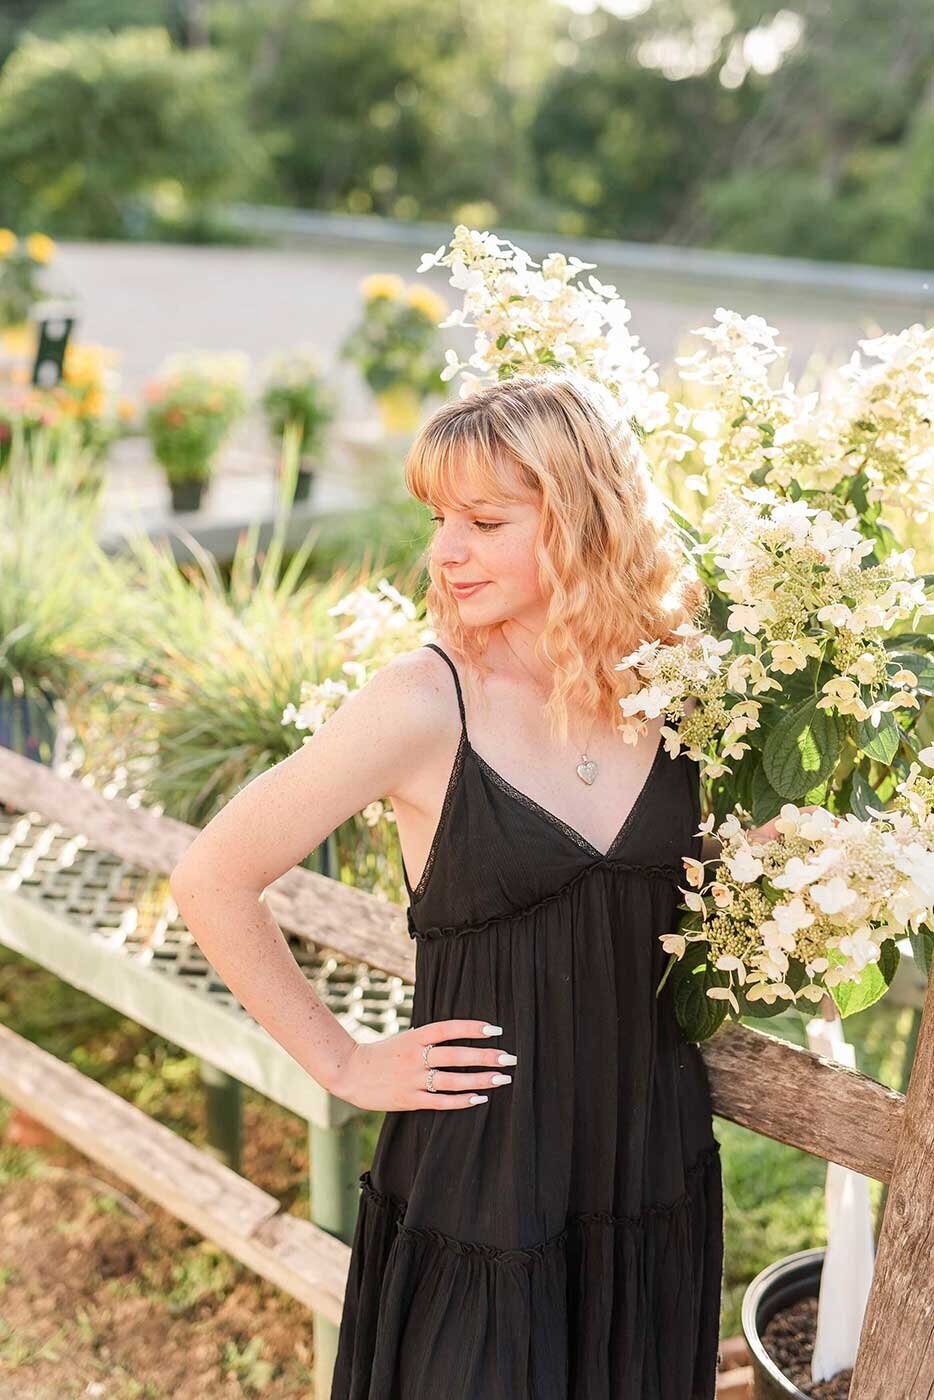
421,677
421,704
381,741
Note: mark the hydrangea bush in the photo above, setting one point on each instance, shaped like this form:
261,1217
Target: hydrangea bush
810,685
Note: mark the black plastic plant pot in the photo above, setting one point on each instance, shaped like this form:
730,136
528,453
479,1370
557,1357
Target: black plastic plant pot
187,495
28,726
303,482
782,1283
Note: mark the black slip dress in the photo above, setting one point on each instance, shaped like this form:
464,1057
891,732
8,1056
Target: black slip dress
563,1240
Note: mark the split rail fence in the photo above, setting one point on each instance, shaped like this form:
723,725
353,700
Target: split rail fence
84,893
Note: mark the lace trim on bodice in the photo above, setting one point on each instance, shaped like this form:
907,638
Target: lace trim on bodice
532,805
669,874
576,836
433,850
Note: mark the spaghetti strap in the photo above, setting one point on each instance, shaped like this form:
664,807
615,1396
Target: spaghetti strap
460,698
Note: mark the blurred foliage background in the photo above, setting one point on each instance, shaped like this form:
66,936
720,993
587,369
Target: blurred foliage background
735,126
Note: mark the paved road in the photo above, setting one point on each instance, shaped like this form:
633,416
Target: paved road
146,301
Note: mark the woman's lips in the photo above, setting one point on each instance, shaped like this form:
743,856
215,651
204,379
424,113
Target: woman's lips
462,592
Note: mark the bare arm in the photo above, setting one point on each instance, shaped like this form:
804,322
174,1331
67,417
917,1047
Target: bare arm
363,752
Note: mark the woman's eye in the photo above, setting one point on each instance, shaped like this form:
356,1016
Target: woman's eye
483,524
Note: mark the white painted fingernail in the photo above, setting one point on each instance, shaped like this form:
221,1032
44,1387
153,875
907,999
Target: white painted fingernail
479,1098
502,1079
506,1059
492,1030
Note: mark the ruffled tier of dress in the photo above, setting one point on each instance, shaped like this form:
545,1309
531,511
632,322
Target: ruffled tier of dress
609,1308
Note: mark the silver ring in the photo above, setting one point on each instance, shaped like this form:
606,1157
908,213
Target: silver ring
431,1071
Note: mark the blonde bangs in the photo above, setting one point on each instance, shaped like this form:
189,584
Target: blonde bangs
459,446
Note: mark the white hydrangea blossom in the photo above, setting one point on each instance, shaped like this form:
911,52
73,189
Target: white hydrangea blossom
873,419
532,316
382,624
826,890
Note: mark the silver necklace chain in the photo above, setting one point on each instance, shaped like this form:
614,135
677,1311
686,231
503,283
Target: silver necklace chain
587,769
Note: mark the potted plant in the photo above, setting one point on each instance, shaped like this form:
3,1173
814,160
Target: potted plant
190,408
79,416
295,396
20,261
288,641
395,347
57,593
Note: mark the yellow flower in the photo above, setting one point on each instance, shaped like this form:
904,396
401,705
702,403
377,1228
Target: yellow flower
40,247
19,340
8,242
382,284
428,302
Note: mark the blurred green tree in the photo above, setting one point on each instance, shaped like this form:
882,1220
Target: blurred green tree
50,19
100,132
750,125
403,108
620,147
836,159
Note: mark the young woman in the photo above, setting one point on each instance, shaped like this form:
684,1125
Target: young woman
542,1218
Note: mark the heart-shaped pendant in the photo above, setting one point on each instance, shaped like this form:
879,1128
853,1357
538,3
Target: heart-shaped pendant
587,771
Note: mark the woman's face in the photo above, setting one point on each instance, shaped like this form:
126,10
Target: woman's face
492,545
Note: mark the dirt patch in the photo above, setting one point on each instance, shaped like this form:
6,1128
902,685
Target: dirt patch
103,1294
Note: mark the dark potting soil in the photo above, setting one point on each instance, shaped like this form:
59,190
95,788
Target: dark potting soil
789,1341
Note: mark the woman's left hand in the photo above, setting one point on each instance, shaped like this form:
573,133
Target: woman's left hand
755,836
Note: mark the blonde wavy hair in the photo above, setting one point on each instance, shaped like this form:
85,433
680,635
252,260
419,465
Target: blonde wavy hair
609,562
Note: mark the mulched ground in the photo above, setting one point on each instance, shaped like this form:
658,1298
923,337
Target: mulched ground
103,1294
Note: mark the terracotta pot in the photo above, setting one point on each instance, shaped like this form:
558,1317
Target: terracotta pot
22,1130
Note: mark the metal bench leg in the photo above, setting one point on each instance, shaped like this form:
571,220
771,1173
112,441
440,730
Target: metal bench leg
222,1098
334,1189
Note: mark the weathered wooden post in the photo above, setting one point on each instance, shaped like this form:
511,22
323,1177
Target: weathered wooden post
896,1347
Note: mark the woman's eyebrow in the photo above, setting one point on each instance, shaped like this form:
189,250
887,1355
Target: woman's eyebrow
471,505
